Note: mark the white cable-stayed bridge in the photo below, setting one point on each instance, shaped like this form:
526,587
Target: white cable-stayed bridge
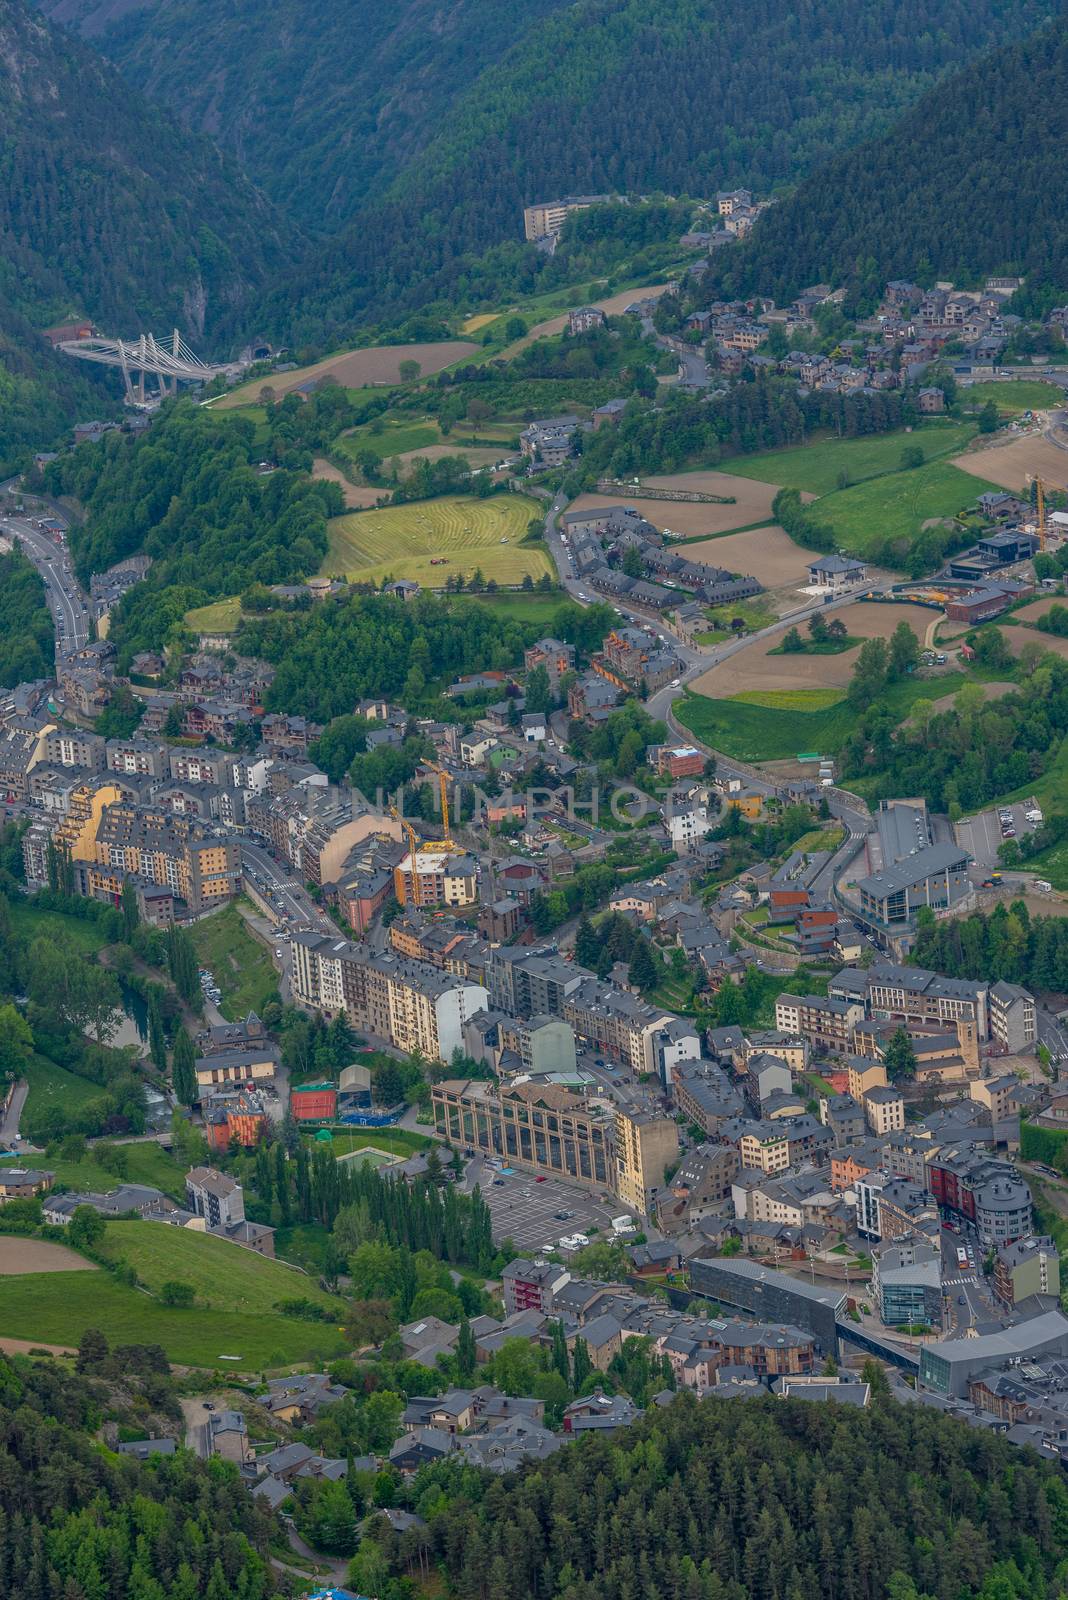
168,361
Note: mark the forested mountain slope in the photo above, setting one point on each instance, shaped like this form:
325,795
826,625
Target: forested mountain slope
107,208
319,100
965,183
764,1500
431,125
78,1522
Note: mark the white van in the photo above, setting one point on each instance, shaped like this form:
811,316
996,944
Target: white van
1044,884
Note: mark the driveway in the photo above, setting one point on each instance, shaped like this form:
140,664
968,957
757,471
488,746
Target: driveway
196,1415
9,1125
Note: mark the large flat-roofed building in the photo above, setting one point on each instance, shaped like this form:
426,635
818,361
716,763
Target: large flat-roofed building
540,1127
910,869
936,877
771,1296
947,1365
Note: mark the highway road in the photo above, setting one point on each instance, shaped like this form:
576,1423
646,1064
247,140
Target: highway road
67,600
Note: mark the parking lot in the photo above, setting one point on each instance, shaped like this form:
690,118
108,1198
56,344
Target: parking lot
524,1210
982,836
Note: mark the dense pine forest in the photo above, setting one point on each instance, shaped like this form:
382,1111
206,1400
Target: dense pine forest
766,1500
109,210
679,96
79,1523
434,133
960,187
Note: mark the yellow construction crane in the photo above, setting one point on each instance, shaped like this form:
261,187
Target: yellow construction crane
1042,489
443,790
413,843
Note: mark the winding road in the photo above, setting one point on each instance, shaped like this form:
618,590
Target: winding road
67,600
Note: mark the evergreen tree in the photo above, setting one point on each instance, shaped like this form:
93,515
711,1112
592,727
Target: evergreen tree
281,1185
182,963
560,1358
899,1057
644,972
130,915
581,1365
183,1069
157,1043
587,943
466,1360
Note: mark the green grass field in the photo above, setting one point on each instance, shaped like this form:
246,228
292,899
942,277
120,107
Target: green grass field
146,1163
756,614
399,1141
1015,394
897,506
762,733
222,616
241,964
517,605
393,438
806,700
51,1084
28,921
816,467
225,1276
820,839
1051,864
402,540
57,1307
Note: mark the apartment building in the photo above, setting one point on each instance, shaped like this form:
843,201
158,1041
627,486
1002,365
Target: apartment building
315,826
436,878
546,218
215,1196
884,1107
552,654
137,756
828,1024
646,1145
762,1146
107,838
527,983
918,998
72,747
705,1095
414,1006
619,1023
984,1190
1013,1024
199,864
1027,1267
531,1285
542,1128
